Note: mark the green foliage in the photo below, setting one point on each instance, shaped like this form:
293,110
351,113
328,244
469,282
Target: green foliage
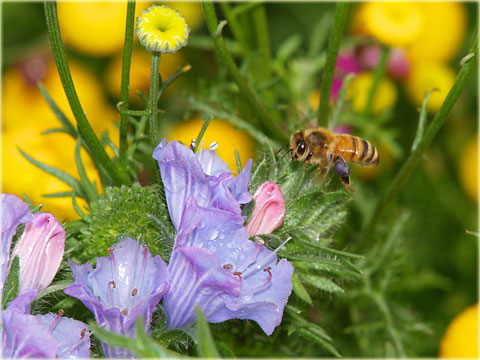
313,212
206,346
10,289
126,211
141,345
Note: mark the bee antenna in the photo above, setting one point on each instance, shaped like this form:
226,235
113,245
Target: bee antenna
282,157
283,147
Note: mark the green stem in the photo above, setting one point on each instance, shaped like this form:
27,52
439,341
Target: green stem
389,324
377,77
126,61
268,126
153,103
263,40
340,19
84,128
427,138
235,27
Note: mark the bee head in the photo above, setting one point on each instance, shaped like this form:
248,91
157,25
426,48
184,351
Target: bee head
298,146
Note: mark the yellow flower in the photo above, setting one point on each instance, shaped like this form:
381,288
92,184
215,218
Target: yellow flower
314,99
25,115
140,72
436,40
22,102
191,11
392,23
424,76
160,28
96,28
468,169
461,337
223,133
20,176
359,89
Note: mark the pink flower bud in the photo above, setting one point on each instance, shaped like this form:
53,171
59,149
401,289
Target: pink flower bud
269,209
40,251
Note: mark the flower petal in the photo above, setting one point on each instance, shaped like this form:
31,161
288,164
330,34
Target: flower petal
127,284
199,280
71,335
22,335
40,250
269,209
185,174
182,177
13,212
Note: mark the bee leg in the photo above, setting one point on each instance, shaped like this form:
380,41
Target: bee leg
323,170
342,169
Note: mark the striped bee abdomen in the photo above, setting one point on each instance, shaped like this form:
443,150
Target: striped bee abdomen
356,150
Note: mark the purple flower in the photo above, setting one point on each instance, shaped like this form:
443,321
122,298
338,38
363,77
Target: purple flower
204,176
13,212
40,250
41,336
125,285
213,264
216,267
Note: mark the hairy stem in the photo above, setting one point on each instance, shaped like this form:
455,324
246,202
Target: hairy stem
84,128
340,18
427,138
126,61
153,103
267,124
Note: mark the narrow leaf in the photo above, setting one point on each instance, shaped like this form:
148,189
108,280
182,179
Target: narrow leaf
300,290
69,127
10,291
206,345
90,191
322,283
59,174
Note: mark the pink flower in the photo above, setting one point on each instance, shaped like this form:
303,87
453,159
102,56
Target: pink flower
269,209
40,251
398,65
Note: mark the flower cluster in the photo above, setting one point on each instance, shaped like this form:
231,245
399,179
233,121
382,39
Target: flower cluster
40,251
420,43
213,265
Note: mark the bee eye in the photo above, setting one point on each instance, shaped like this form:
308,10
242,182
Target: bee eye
301,148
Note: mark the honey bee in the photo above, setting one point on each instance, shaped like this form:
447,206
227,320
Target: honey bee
322,147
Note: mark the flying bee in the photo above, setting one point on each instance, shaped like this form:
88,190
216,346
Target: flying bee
324,148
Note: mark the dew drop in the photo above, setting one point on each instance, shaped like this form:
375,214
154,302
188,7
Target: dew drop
213,235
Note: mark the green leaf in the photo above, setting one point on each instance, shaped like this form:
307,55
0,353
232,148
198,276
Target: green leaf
58,285
68,126
206,345
322,283
90,191
310,335
59,174
10,291
300,290
142,345
199,137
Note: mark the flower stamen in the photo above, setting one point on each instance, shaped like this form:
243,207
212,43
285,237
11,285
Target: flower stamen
262,286
57,319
